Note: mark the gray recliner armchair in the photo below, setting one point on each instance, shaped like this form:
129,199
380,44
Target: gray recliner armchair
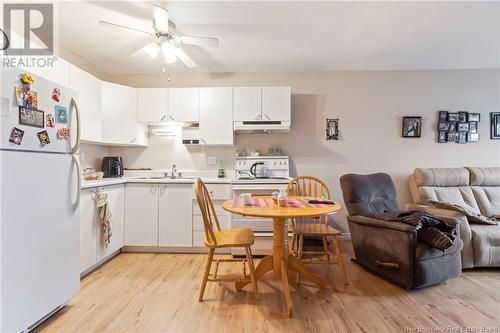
391,249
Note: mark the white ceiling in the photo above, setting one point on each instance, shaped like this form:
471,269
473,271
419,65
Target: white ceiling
293,36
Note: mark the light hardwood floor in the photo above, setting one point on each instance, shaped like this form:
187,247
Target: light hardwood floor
159,293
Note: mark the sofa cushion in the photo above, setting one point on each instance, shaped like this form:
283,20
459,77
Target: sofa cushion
443,177
484,176
486,245
460,195
488,199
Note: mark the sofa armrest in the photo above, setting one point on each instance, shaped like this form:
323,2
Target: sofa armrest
376,223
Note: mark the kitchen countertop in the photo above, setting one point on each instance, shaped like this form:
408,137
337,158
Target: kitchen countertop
123,180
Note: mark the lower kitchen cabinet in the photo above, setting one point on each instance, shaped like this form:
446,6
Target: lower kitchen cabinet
92,248
141,215
175,210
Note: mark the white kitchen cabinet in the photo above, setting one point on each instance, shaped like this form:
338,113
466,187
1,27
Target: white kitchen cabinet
175,211
216,116
119,114
88,88
141,215
183,104
247,103
152,105
116,202
88,230
276,103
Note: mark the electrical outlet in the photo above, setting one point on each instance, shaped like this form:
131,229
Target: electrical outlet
212,160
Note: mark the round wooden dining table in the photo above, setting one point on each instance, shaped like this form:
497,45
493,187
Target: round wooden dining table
280,262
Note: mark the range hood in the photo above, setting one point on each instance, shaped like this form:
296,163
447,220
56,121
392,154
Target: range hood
261,126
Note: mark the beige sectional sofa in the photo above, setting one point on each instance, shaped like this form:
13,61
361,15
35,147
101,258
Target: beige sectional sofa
477,189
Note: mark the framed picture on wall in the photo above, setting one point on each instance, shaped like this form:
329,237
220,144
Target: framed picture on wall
495,125
453,116
462,116
332,129
442,137
412,127
443,116
474,117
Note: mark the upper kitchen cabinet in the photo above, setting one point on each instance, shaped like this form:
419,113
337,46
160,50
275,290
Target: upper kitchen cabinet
247,103
152,105
276,103
183,104
216,116
119,115
89,102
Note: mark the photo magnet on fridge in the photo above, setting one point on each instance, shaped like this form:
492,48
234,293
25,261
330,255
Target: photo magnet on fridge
63,133
16,136
61,114
49,121
31,117
43,136
26,97
56,94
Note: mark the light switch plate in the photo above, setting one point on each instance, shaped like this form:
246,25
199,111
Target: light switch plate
212,160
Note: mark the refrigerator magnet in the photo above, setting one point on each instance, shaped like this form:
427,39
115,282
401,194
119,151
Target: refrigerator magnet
16,136
61,114
26,97
63,133
49,122
31,117
56,94
43,136
27,79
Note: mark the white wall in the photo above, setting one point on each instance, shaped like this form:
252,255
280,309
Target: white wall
370,106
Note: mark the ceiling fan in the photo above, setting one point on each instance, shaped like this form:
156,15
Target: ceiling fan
164,39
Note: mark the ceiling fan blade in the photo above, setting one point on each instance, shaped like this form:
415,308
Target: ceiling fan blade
124,27
201,41
160,19
152,50
184,58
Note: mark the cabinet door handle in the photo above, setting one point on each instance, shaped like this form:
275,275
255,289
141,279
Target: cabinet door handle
203,140
153,189
171,118
211,194
267,117
133,140
163,118
259,116
162,189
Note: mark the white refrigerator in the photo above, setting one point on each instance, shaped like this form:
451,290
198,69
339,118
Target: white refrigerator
39,198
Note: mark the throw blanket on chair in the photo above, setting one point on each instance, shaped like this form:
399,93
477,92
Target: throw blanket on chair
101,200
430,229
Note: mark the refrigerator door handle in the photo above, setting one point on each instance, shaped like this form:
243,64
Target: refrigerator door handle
76,203
74,106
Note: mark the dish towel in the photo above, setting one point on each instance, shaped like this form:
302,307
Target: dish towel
101,200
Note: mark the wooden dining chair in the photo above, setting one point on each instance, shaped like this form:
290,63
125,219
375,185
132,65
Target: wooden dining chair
217,238
309,186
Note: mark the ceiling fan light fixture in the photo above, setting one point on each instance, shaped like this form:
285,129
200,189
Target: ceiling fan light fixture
168,51
152,50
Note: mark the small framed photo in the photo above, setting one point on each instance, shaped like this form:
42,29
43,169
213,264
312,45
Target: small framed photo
43,137
472,127
453,116
462,116
452,137
462,137
463,127
16,136
442,137
31,117
495,125
474,117
332,129
61,114
452,127
412,127
443,116
443,126
472,137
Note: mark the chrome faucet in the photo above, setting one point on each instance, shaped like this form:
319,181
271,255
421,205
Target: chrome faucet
174,171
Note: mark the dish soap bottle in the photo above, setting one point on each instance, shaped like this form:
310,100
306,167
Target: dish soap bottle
220,170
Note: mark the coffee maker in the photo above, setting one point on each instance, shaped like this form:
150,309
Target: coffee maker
112,166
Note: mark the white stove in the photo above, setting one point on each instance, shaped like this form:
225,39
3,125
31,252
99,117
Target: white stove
272,174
